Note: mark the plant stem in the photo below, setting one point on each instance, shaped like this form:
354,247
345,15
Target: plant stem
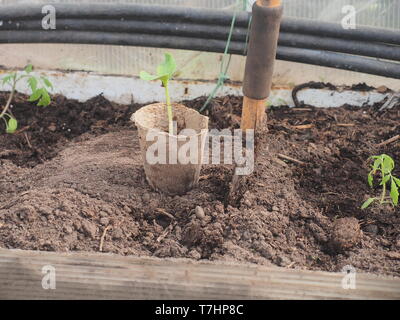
169,109
383,193
10,98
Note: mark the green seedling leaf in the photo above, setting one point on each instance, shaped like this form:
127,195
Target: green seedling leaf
385,180
45,99
384,164
370,179
47,82
7,78
387,164
367,203
32,82
12,125
394,193
168,67
377,164
144,75
28,68
42,96
35,96
39,93
165,71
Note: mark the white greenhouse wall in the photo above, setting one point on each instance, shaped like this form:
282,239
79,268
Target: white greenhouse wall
129,61
83,86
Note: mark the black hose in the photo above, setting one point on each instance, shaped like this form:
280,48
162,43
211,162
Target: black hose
124,11
362,48
362,33
134,26
121,39
376,50
340,61
313,57
196,15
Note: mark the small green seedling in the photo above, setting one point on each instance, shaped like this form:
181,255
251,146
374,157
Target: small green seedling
38,86
165,71
384,164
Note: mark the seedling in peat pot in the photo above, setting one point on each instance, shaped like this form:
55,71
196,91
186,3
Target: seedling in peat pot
38,87
165,71
383,164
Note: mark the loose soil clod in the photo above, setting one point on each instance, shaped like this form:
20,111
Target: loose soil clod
345,234
62,194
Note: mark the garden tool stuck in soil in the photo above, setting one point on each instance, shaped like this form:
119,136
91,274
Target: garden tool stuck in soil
263,42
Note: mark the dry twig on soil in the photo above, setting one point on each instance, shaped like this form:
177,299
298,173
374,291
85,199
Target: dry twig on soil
282,156
391,140
102,238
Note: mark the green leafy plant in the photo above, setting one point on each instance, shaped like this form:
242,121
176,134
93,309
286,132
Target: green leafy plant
39,93
383,164
165,71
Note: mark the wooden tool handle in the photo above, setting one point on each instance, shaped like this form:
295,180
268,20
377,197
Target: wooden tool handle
261,55
253,113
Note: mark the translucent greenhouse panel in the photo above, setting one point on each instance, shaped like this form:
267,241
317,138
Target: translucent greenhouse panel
196,65
376,13
121,59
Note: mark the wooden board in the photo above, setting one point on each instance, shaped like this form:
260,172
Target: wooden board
105,276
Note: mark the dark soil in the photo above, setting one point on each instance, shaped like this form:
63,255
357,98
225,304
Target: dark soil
43,131
73,174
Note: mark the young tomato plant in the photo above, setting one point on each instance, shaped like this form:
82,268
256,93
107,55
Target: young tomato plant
165,71
384,164
38,87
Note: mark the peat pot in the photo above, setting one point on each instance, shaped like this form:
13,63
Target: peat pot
172,163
